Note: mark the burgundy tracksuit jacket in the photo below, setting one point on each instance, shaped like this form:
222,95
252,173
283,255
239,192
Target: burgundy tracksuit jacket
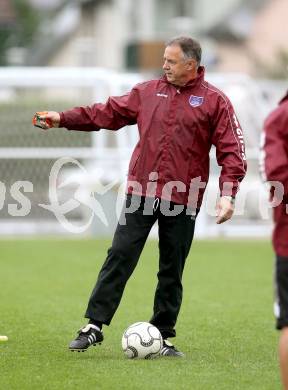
274,167
177,127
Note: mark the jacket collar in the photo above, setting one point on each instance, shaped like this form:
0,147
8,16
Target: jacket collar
285,97
199,78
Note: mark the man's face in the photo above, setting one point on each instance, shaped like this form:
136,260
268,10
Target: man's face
178,71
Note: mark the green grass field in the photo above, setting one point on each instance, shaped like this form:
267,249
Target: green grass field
226,326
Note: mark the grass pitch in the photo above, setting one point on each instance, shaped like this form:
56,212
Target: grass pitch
225,327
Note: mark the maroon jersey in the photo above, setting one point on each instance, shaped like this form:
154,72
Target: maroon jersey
274,168
274,164
177,127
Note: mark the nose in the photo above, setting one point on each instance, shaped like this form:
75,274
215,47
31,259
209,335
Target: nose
165,65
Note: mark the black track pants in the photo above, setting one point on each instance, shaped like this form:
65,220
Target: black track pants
175,238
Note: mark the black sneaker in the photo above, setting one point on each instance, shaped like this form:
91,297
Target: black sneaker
88,335
168,349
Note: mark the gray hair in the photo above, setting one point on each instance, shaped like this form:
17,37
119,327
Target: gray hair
189,46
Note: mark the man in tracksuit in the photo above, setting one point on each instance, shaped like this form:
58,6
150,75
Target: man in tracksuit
179,117
274,167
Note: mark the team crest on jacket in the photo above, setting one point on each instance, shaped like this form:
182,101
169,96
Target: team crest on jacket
196,101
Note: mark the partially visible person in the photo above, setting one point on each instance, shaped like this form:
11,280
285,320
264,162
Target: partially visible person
274,167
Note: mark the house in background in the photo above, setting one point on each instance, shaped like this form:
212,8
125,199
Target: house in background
7,24
122,34
7,14
253,39
237,35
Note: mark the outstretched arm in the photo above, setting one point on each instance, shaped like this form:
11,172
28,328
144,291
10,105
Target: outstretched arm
117,112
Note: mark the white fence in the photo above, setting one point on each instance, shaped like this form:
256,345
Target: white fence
28,154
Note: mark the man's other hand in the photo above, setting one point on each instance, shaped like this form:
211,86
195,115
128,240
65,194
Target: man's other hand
224,209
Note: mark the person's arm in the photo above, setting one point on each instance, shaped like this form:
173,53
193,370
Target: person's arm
230,153
117,112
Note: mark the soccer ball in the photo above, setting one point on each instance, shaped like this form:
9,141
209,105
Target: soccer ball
142,340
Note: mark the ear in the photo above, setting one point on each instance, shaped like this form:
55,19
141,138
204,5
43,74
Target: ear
191,64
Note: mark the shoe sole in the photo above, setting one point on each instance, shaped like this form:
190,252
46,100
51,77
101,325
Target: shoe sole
84,349
172,356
